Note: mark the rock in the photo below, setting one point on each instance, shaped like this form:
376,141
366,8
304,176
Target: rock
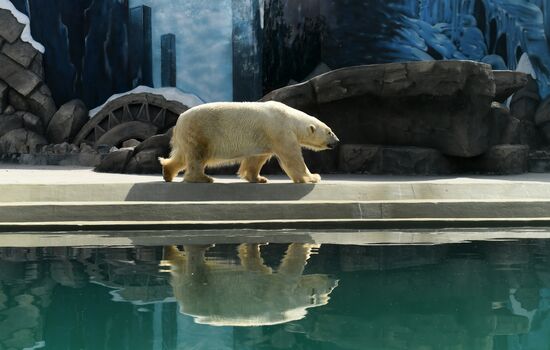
31,122
17,101
9,123
9,110
161,141
501,160
544,129
504,128
145,162
525,102
17,77
542,114
130,130
41,103
430,104
131,143
20,141
508,82
539,161
115,162
4,90
37,66
10,29
530,135
20,51
67,121
374,159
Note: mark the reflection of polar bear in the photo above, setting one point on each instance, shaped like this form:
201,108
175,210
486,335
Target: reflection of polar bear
249,294
249,133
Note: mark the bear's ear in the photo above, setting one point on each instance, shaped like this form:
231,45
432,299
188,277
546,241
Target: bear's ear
311,128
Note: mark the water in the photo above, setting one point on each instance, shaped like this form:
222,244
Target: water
479,295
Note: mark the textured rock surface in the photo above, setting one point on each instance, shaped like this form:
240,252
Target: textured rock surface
525,102
372,159
67,122
539,161
508,82
115,162
503,127
3,96
500,159
441,105
20,141
26,105
143,159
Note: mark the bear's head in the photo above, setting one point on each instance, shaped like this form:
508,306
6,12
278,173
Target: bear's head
320,137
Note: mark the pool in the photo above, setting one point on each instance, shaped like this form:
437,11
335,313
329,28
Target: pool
482,294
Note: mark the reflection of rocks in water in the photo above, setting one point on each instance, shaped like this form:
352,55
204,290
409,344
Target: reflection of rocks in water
23,298
442,297
249,294
133,273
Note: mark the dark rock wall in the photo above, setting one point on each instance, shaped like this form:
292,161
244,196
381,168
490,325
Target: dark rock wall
86,45
291,41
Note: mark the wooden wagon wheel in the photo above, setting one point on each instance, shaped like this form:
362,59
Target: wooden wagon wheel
133,116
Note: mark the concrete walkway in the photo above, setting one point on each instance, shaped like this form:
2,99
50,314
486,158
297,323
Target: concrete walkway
46,198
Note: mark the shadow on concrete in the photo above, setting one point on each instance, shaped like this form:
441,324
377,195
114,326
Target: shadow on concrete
180,191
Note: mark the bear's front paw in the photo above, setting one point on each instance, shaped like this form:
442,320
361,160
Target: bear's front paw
314,178
261,180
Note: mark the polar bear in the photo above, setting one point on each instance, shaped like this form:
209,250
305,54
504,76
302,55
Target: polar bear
221,293
249,133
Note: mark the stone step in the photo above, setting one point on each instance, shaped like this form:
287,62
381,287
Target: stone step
376,189
188,212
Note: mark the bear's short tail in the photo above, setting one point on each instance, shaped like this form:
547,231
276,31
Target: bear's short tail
163,161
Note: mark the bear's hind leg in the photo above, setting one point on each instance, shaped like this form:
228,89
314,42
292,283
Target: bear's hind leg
171,167
251,166
195,172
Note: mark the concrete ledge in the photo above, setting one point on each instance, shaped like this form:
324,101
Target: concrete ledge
77,198
129,228
359,190
265,210
111,238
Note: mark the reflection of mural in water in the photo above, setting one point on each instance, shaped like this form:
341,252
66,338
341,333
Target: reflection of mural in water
487,295
250,294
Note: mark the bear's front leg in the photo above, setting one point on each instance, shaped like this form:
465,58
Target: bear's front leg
292,162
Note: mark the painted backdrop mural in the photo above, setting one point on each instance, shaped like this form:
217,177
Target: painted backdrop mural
346,32
241,49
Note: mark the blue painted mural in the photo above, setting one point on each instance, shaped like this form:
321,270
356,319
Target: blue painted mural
346,32
241,49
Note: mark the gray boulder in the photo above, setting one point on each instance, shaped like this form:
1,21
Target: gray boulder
10,29
20,141
504,128
9,123
436,104
525,102
508,82
31,122
67,122
500,160
20,51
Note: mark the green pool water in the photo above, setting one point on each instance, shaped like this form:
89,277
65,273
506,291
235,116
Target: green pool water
480,295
